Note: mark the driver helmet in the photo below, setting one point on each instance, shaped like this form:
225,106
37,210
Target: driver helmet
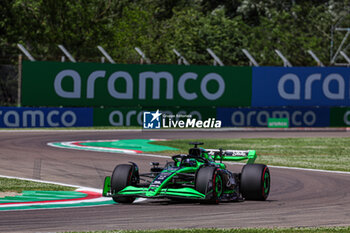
190,162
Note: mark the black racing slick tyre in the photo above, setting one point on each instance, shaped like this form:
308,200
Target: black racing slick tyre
255,182
122,176
209,182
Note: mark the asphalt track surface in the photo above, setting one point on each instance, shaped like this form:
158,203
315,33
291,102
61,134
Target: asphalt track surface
297,199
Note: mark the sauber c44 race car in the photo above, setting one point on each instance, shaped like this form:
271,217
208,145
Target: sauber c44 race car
200,176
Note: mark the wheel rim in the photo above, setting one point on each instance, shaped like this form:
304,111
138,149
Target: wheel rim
266,188
218,185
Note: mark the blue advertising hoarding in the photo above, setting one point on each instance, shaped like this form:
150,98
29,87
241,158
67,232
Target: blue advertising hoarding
300,86
23,117
258,117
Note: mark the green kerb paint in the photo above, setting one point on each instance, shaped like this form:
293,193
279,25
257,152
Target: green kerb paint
131,144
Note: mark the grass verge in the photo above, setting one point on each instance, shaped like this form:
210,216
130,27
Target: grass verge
16,185
244,230
315,153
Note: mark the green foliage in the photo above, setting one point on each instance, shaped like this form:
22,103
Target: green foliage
158,26
8,85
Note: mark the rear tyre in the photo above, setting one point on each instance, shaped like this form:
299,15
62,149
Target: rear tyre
209,182
255,182
122,176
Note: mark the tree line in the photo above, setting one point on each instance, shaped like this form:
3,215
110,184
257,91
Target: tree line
158,26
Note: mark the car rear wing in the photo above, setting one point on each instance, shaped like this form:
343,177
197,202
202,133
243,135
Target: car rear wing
232,155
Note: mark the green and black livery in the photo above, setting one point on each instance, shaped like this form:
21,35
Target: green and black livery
199,175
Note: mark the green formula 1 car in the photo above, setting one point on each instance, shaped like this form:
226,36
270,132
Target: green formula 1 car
199,176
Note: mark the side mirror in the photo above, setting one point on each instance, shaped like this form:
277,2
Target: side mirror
154,164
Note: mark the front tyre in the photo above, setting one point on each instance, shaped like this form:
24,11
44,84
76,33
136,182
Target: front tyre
209,182
255,182
122,176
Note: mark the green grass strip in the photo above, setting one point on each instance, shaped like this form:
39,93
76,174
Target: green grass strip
18,186
243,230
315,153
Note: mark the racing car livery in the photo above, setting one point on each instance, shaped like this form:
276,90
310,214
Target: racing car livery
199,175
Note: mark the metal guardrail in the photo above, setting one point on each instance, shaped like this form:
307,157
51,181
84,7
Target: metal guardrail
183,60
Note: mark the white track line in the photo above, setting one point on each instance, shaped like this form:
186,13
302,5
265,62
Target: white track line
312,170
234,163
79,188
281,167
48,182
